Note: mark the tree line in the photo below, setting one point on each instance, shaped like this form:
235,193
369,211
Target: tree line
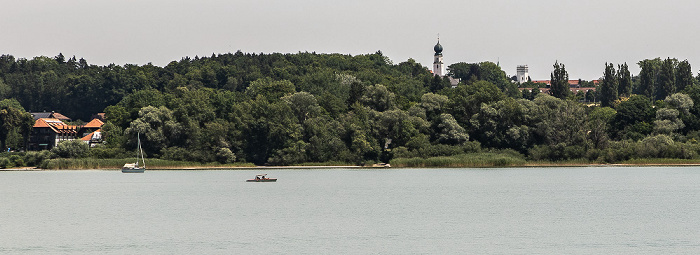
284,109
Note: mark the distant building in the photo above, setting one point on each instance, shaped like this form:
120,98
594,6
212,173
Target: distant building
439,67
50,115
92,126
91,132
523,76
93,138
48,132
574,86
572,83
99,116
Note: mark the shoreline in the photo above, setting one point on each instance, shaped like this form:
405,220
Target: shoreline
223,168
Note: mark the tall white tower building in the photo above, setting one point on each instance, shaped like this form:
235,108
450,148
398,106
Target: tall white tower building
523,75
438,65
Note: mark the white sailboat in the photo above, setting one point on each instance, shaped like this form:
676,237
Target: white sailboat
135,168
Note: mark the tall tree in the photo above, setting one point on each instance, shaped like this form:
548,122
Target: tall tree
608,89
484,71
507,123
561,130
633,119
379,98
437,84
667,79
647,77
466,72
466,100
599,126
624,80
559,81
684,76
14,122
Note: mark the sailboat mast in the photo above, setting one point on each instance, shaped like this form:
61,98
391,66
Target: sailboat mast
143,159
138,147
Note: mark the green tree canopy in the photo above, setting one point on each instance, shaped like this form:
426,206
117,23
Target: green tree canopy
609,86
559,80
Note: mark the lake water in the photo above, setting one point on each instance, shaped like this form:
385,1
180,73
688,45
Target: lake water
586,210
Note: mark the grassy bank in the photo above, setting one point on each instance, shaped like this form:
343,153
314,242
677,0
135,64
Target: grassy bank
90,163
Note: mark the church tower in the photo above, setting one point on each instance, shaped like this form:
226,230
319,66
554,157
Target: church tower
438,66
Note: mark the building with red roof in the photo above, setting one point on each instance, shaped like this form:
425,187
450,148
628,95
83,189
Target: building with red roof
93,138
48,132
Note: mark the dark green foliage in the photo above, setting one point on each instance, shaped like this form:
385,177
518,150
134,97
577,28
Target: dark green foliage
633,118
379,98
15,125
666,79
648,77
559,80
438,83
554,122
288,109
484,71
624,80
609,86
599,126
557,152
466,100
684,76
270,89
507,123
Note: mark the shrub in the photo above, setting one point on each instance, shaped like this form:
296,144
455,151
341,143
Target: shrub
225,156
619,151
471,147
558,152
105,152
5,163
71,149
173,153
35,158
16,160
403,152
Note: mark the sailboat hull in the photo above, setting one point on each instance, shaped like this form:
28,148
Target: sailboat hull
132,170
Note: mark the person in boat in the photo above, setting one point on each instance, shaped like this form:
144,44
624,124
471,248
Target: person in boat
257,177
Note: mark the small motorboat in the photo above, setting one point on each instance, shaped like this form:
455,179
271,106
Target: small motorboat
261,178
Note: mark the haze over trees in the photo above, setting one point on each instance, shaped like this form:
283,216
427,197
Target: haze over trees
284,109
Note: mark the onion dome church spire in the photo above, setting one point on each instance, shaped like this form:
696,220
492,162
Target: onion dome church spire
438,48
438,65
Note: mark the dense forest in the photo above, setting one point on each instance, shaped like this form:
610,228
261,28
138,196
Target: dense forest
285,109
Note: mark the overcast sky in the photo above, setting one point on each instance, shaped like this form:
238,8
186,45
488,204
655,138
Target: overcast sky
582,34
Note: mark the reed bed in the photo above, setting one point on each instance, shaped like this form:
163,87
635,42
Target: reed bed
570,162
91,163
329,163
661,161
485,159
